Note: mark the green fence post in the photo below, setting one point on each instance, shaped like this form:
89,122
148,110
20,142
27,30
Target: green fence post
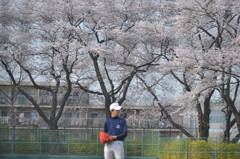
181,152
68,142
142,145
187,149
97,144
159,144
215,147
152,144
40,141
12,141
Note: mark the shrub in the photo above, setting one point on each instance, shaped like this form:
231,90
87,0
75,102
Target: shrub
200,149
85,148
27,146
133,147
228,151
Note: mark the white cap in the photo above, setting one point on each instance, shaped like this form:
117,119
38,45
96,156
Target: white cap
115,106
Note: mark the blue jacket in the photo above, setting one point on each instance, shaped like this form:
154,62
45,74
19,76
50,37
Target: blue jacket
116,127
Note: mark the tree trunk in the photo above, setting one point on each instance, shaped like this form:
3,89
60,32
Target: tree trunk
204,117
52,126
54,142
228,126
234,111
226,135
107,106
235,139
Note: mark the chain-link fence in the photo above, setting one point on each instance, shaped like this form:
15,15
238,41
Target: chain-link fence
71,142
139,143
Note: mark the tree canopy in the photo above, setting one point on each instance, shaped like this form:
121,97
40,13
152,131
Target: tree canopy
112,44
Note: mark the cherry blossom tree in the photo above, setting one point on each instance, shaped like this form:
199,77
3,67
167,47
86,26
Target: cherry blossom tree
23,49
71,42
163,111
206,56
114,40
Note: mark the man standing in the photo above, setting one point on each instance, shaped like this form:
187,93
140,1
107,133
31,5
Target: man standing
117,128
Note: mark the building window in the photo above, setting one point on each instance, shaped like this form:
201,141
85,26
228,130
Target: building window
22,99
217,116
78,98
3,94
45,97
68,115
3,113
2,100
94,115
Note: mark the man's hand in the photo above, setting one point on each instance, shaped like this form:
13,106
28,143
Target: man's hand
113,138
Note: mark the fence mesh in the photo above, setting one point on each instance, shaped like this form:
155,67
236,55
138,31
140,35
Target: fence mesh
139,143
71,142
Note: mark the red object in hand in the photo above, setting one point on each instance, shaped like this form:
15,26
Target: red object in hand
105,137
